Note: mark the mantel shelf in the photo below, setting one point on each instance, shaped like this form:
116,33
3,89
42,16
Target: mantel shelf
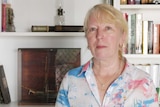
24,34
149,6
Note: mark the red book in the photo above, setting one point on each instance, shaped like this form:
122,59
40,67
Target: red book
3,18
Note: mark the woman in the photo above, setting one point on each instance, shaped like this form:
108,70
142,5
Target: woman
108,79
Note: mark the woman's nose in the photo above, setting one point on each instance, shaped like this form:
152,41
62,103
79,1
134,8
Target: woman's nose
100,34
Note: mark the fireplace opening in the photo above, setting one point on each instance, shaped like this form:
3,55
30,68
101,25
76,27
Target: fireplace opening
41,71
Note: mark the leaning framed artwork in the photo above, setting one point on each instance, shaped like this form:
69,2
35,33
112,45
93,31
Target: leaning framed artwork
41,71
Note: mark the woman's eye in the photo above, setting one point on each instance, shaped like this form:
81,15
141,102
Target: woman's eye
108,28
92,29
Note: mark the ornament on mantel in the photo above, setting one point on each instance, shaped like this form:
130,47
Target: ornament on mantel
60,18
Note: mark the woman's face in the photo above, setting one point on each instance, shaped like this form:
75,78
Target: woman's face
103,39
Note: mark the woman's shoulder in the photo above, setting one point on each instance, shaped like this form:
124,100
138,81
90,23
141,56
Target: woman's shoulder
136,72
75,71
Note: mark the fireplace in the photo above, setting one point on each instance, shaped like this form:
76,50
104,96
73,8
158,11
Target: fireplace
41,71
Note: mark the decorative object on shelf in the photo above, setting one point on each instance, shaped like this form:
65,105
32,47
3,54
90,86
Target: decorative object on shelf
41,73
4,90
60,19
57,28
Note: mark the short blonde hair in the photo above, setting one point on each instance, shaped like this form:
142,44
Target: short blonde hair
108,14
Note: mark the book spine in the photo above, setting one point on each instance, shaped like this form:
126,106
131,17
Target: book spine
3,17
150,37
129,35
137,1
40,28
139,33
156,39
145,36
130,1
123,2
4,86
133,33
68,28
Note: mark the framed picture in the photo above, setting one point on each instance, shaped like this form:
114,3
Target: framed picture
41,71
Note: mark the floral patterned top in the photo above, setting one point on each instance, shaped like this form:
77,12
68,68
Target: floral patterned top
133,88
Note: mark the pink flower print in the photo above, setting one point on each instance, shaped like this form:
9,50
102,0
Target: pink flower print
142,85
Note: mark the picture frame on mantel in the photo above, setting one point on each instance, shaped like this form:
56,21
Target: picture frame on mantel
41,71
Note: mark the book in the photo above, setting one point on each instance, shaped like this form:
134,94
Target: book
4,87
131,2
131,33
156,38
137,1
7,18
145,36
123,1
150,37
139,18
144,1
57,28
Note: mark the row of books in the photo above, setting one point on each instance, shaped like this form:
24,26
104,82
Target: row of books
153,70
143,35
127,2
7,17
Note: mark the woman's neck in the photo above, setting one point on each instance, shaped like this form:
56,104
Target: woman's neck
105,67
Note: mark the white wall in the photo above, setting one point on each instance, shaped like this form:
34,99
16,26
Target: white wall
40,12
43,12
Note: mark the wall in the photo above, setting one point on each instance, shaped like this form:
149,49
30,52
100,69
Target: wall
43,12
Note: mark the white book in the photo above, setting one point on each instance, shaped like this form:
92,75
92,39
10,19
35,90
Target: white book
139,18
145,36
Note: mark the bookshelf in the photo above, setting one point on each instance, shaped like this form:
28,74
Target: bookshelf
150,12
145,9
